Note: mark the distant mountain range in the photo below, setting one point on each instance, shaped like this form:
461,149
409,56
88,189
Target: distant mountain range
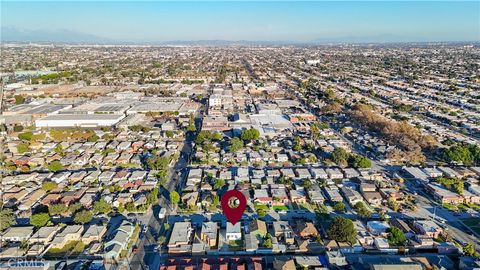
385,38
57,36
14,34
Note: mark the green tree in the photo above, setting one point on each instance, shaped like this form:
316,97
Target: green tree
161,240
453,184
217,136
73,208
267,242
329,94
101,206
39,220
203,137
57,209
342,230
17,128
174,197
25,136
83,217
130,207
215,203
235,145
307,184
315,130
191,124
23,148
396,237
250,134
297,144
58,149
339,207
169,134
7,219
55,166
393,204
93,138
159,163
49,186
208,147
359,161
219,183
458,153
138,128
340,155
469,249
362,210
19,99
152,196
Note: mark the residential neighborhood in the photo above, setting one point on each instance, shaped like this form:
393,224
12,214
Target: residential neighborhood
349,157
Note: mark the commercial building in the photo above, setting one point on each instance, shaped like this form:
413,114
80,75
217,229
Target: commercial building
78,120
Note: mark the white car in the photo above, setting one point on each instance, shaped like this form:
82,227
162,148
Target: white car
162,213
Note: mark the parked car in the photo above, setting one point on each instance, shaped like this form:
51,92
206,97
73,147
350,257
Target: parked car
162,213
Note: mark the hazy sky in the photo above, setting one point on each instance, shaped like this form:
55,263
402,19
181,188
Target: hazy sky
242,20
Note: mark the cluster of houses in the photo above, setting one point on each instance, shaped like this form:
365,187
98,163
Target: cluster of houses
248,237
111,169
273,151
291,185
25,191
97,239
329,260
301,236
426,177
123,149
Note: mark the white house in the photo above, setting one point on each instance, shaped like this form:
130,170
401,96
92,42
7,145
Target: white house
233,231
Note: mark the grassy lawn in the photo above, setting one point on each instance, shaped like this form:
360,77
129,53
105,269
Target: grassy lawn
472,223
235,244
135,235
450,207
303,206
71,248
280,208
472,206
261,207
123,253
133,240
187,209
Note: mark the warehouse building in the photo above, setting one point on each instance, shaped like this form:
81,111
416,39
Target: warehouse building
79,120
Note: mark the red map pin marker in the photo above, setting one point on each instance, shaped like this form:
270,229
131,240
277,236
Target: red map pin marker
233,214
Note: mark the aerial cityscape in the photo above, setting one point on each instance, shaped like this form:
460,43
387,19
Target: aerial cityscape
239,153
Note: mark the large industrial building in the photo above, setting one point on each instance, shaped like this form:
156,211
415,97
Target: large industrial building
78,120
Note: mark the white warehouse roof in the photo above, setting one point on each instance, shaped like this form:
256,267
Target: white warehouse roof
79,120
